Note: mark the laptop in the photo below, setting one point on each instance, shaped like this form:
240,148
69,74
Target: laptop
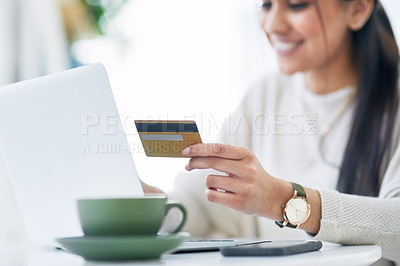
61,139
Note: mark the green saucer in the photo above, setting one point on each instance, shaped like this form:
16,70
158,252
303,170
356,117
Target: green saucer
122,247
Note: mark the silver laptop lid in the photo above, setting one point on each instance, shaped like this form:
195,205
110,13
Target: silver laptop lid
61,139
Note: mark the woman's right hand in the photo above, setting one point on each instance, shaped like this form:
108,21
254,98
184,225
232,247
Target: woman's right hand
150,189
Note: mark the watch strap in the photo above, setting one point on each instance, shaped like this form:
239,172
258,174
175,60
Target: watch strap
300,190
281,225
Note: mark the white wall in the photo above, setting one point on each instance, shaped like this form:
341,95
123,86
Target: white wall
32,42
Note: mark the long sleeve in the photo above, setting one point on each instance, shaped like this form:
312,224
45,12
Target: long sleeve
351,219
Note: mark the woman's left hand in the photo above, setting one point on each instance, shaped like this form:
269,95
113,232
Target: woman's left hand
246,187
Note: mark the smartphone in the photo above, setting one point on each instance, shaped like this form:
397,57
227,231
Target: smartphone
272,248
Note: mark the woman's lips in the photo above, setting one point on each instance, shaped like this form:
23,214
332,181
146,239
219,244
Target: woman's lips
285,47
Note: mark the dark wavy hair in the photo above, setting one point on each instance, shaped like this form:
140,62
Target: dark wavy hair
376,56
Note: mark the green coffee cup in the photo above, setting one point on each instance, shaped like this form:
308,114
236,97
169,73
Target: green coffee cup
126,216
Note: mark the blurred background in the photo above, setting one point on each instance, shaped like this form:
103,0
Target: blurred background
178,59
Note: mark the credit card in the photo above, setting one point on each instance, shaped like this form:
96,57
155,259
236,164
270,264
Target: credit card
167,138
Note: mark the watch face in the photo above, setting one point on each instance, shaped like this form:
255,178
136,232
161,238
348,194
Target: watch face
297,211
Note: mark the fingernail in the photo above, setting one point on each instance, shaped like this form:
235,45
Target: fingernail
187,167
186,151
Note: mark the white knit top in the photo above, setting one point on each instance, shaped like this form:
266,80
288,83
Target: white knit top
284,124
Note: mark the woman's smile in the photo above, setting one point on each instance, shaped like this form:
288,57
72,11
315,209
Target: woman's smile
285,46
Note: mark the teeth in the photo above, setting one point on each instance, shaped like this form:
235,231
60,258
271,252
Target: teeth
284,46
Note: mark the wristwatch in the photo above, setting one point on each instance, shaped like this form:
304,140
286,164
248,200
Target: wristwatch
297,210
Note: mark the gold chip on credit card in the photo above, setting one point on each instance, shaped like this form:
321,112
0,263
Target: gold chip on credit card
167,138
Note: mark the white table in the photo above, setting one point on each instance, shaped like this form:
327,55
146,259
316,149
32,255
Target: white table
330,254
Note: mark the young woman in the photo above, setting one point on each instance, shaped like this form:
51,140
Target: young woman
316,148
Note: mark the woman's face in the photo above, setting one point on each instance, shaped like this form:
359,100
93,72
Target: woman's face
295,30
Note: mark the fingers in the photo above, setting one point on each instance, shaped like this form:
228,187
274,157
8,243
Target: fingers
224,165
216,150
150,189
226,183
221,157
227,199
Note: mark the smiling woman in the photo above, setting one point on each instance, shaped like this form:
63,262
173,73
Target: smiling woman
345,62
314,37
340,88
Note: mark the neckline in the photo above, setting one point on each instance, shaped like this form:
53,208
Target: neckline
322,103
310,95
343,92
